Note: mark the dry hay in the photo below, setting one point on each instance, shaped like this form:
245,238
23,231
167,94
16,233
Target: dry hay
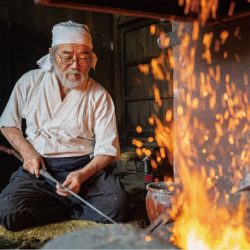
46,232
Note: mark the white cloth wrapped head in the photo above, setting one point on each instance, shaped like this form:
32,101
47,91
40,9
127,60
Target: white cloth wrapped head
68,32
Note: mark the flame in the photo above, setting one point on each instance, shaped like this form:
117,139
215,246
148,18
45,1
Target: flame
204,225
205,217
203,211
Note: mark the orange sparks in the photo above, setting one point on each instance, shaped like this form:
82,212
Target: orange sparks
207,39
162,153
195,103
181,2
150,139
231,139
169,115
219,129
138,151
212,100
217,73
144,68
196,28
227,78
152,29
148,238
171,58
231,8
139,129
180,110
151,121
180,30
164,40
153,164
245,79
146,151
157,95
237,31
156,69
137,143
237,58
223,36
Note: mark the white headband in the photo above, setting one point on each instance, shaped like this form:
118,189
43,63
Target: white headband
68,32
71,32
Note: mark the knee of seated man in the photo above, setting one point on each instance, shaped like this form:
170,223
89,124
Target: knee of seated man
7,221
9,215
16,221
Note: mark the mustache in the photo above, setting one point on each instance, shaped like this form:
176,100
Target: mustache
73,71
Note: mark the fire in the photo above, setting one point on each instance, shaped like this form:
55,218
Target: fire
206,218
207,131
203,224
208,137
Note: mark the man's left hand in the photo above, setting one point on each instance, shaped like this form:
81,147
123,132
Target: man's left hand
75,179
72,182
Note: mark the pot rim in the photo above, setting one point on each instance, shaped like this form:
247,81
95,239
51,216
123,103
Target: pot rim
160,187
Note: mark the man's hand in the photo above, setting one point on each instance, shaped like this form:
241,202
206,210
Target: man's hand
73,182
75,179
33,164
32,161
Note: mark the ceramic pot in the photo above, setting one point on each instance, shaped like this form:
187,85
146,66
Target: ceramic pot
158,199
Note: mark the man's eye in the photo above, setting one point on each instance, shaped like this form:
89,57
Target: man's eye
67,57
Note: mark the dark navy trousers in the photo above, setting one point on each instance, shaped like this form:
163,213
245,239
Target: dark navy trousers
29,201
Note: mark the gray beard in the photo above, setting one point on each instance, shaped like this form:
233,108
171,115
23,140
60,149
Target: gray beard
62,76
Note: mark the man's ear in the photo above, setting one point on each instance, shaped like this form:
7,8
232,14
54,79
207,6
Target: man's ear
50,49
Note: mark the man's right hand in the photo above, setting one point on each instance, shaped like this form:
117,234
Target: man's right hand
32,160
33,164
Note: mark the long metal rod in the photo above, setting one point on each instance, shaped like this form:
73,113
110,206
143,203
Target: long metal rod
48,176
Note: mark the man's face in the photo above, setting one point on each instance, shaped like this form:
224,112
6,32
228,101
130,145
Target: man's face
72,63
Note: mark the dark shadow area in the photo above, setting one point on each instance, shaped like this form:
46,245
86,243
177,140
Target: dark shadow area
8,164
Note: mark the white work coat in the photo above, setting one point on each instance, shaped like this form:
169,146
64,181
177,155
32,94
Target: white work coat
83,123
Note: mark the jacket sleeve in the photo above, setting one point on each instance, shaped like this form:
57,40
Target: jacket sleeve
105,128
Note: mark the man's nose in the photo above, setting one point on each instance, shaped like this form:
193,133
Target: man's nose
74,63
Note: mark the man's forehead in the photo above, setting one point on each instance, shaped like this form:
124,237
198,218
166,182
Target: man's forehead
71,47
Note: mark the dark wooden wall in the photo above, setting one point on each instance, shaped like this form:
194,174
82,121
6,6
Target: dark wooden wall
137,46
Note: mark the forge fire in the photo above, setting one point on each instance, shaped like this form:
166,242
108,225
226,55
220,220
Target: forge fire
207,131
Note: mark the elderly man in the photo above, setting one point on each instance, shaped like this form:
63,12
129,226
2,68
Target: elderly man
71,131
